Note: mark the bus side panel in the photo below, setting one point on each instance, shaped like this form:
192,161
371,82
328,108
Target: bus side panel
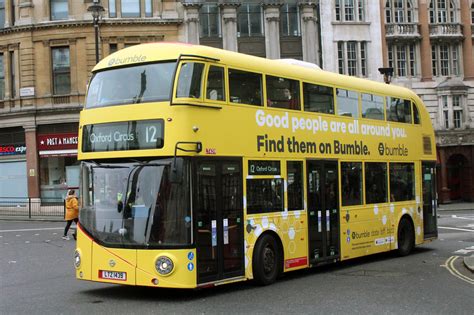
113,260
366,230
182,276
290,226
84,247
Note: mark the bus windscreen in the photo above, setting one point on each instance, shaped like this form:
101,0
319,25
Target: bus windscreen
131,85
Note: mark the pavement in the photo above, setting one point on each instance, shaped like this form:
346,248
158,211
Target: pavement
458,206
461,206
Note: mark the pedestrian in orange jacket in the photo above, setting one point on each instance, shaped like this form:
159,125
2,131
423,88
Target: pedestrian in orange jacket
72,212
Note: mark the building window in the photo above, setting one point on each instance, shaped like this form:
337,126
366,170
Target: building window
57,175
2,14
349,10
113,48
112,9
148,8
452,109
472,13
399,11
249,18
445,59
59,9
352,58
402,59
289,20
12,75
457,118
61,70
2,78
444,101
130,8
442,11
209,20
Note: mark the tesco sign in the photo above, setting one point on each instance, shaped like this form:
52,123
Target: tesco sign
12,149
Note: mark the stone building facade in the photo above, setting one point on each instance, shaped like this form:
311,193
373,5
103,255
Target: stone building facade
429,43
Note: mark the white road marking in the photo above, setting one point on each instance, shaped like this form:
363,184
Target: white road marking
464,251
28,230
462,218
450,228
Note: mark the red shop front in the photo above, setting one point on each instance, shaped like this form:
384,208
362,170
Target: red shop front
59,168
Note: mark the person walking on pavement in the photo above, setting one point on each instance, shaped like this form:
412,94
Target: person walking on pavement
72,212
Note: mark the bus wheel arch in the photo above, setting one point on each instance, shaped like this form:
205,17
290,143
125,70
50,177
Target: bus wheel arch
267,258
405,235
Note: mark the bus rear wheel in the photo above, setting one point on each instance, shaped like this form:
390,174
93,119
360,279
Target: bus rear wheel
266,260
406,237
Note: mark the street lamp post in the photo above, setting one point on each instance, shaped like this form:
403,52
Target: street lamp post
96,10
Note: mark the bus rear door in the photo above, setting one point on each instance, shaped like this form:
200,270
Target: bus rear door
323,210
430,228
218,212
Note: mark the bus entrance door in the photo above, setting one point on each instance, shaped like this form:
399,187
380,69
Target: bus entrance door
430,229
323,211
218,217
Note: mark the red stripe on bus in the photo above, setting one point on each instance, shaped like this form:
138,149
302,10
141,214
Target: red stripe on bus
296,262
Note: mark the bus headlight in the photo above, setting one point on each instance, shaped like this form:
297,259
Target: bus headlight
164,265
77,259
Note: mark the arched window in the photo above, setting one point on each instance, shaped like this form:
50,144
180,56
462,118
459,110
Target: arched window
442,11
399,11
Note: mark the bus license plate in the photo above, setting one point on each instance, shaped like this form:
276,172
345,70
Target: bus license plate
113,275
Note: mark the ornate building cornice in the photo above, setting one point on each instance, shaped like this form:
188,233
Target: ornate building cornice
88,23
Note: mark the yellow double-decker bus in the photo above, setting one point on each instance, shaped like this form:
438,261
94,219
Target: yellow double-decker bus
202,167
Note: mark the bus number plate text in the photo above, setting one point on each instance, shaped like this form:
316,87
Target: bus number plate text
112,275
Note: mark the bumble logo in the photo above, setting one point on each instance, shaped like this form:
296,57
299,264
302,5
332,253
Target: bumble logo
130,59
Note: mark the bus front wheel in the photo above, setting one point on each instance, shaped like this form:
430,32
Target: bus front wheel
266,260
406,237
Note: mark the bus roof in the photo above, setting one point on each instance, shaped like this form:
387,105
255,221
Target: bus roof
161,51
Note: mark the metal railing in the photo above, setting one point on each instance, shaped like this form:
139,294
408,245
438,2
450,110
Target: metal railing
32,207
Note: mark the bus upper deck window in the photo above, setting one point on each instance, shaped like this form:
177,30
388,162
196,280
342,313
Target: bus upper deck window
215,89
189,81
283,93
398,110
347,103
416,115
318,98
245,87
373,107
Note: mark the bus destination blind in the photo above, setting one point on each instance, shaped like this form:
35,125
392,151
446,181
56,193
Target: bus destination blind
123,136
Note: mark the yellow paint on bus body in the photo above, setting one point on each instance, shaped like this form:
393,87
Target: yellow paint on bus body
228,129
